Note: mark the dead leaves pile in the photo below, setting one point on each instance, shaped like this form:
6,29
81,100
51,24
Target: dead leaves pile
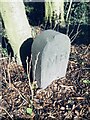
65,99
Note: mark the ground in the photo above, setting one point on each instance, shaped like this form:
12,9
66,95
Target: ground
65,99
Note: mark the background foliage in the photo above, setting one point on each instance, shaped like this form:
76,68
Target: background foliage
79,12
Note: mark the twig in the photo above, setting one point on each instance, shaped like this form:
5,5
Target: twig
27,65
73,110
6,112
68,28
45,24
78,31
69,9
66,5
85,68
35,65
75,107
68,24
3,58
71,32
66,86
51,115
12,86
86,49
5,77
28,74
19,92
8,72
74,37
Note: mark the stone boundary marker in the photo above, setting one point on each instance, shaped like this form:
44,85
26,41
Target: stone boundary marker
50,56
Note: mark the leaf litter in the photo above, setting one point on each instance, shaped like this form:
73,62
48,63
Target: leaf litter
67,98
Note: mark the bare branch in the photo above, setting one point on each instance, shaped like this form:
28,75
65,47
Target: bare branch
69,10
71,32
35,65
8,72
28,74
68,28
74,37
78,31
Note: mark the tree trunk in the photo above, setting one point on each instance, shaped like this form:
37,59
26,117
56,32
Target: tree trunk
16,24
55,9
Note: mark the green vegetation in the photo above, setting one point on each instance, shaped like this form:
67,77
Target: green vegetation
79,12
86,81
29,111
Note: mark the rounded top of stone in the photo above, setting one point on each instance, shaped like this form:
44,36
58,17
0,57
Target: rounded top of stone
49,35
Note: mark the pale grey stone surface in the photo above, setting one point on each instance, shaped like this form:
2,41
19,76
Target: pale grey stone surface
54,49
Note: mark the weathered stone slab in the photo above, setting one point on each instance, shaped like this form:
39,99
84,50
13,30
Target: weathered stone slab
50,50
